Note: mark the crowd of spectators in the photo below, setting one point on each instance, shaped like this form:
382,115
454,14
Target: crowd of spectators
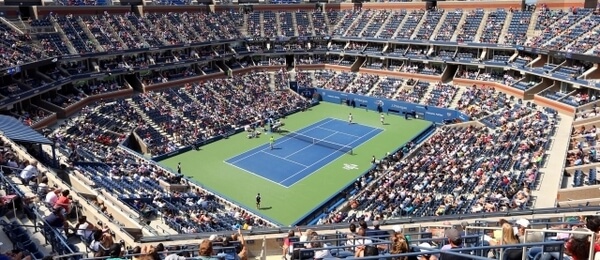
478,101
86,140
106,32
450,240
473,174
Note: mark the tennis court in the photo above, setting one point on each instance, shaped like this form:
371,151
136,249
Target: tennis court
296,155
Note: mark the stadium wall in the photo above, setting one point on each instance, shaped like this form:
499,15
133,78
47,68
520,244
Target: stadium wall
562,3
433,114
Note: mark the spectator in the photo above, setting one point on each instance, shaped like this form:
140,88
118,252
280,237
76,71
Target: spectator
206,250
115,252
532,237
425,248
56,219
29,172
578,246
508,235
64,202
454,239
177,254
288,245
399,245
84,229
52,197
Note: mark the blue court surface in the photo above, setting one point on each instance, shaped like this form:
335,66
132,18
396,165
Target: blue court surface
294,159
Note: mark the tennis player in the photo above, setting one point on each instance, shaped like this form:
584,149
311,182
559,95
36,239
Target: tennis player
350,118
382,119
271,142
258,199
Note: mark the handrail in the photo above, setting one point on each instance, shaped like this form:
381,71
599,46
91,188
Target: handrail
58,237
572,232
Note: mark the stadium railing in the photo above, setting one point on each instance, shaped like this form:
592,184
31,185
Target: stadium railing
52,236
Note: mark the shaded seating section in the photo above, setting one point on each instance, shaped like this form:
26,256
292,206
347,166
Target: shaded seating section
16,49
524,85
576,99
177,113
30,114
466,56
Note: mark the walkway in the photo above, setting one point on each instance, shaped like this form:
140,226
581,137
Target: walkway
553,171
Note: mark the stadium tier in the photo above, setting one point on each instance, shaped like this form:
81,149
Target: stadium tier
208,129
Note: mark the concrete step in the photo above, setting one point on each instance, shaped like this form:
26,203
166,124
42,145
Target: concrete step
504,31
439,26
553,170
461,23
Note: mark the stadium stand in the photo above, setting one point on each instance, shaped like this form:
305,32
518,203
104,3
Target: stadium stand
179,78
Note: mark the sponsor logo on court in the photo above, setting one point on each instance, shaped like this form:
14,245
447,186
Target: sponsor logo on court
349,167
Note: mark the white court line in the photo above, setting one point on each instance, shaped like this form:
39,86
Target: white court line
309,146
374,129
259,176
284,158
261,150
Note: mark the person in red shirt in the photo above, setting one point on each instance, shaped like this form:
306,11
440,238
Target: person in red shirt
64,202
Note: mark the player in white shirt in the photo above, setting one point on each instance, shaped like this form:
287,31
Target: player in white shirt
382,119
350,118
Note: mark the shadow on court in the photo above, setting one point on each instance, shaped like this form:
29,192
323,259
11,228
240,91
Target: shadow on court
265,208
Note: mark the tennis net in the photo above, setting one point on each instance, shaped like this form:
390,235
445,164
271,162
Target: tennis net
321,142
